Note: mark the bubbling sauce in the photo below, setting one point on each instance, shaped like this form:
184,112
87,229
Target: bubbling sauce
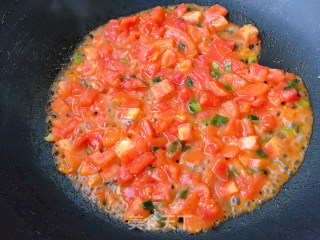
292,119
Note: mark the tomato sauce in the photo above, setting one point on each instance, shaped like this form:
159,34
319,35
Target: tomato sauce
166,120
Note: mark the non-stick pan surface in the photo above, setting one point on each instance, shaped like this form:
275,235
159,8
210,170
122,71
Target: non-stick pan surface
36,40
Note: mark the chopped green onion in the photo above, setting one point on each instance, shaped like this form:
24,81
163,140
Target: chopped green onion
122,79
132,76
291,84
174,147
288,132
156,79
253,118
106,183
161,218
124,60
262,154
85,83
252,57
253,171
215,73
150,167
78,58
228,173
227,66
147,84
189,82
185,148
147,205
227,87
319,77
181,46
155,148
194,107
184,193
189,9
302,103
54,115
206,121
217,119
264,139
215,65
234,172
297,128
88,151
198,25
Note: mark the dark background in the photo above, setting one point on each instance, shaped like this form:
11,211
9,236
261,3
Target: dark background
36,40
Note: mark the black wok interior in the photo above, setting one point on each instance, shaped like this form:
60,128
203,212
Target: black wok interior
36,41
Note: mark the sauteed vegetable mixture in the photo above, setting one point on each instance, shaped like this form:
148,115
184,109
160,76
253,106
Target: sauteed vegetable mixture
166,120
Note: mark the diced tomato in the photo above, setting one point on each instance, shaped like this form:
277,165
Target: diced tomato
59,107
250,185
226,188
124,176
157,14
89,68
258,73
193,16
177,78
87,97
162,193
139,164
212,145
105,50
184,94
220,169
244,127
268,121
274,147
111,137
275,76
147,129
201,76
87,169
210,210
64,127
110,79
259,101
230,109
127,23
93,139
219,22
169,59
218,50
180,36
185,131
135,210
212,12
129,113
290,95
104,159
162,89
228,129
250,143
143,53
254,89
208,99
230,150
249,34
149,69
218,88
131,84
180,10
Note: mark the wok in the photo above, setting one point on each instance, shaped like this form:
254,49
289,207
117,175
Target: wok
36,41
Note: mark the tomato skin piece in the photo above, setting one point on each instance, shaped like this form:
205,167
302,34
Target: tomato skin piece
59,107
184,94
124,176
258,73
140,163
208,99
268,121
131,84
